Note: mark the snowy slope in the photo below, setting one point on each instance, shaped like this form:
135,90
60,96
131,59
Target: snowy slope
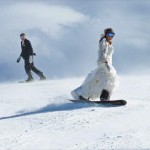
38,116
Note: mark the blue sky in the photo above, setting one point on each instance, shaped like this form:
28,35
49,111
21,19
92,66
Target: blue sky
65,35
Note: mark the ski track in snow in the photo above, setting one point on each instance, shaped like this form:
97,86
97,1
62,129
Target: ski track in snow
39,116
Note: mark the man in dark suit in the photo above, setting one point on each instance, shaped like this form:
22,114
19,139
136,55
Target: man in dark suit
27,54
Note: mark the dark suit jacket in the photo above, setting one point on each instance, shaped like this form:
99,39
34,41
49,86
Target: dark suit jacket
27,49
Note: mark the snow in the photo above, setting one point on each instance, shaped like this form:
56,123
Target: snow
38,116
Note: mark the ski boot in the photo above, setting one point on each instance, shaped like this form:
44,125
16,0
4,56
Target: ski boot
104,95
82,98
42,77
30,79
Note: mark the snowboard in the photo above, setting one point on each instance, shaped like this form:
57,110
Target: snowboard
25,81
30,81
22,82
119,102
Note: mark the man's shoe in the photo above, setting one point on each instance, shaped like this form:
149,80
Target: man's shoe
42,77
30,79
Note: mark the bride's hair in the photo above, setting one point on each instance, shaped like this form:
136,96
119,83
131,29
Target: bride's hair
107,30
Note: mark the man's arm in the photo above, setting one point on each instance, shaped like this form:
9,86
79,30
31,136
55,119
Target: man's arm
19,58
30,48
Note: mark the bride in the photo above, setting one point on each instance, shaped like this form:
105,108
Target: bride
103,81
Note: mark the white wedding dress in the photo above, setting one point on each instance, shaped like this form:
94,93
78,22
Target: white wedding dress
103,77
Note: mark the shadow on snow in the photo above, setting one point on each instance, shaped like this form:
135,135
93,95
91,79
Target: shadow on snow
53,108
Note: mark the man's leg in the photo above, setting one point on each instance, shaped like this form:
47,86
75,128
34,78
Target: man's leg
38,72
28,70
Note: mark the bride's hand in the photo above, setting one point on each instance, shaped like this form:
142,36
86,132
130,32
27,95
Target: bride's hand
106,62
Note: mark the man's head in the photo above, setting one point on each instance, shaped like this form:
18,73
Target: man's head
23,36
